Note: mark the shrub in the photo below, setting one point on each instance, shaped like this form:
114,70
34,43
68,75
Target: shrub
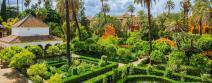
133,38
79,45
157,56
36,50
95,48
110,50
103,61
143,45
22,59
105,42
55,79
123,52
163,47
36,79
62,47
53,50
8,53
205,43
199,61
176,58
37,70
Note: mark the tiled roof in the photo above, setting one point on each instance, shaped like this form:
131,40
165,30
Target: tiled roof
30,21
24,39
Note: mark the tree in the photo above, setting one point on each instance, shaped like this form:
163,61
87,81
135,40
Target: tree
169,5
131,9
200,9
3,10
68,54
9,52
102,2
147,4
106,9
22,59
26,3
186,5
37,70
73,6
17,1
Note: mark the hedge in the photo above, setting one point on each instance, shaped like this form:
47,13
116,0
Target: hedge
99,79
90,74
147,78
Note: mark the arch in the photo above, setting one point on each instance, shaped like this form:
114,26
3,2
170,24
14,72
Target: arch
40,46
47,46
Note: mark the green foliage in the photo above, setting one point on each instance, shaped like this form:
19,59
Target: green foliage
177,58
55,79
140,46
157,56
37,70
110,50
123,52
163,47
133,38
103,61
36,50
8,53
53,51
110,40
200,61
56,30
37,79
205,43
22,59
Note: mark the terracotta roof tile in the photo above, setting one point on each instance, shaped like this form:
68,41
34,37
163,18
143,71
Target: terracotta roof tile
23,39
30,21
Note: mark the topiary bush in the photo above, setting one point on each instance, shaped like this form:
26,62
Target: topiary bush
37,70
176,58
36,50
55,79
53,51
163,47
22,59
123,52
157,56
8,53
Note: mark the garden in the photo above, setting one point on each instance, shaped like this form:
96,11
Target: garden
138,46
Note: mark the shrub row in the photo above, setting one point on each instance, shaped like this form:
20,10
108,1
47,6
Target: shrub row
90,74
153,78
109,75
173,76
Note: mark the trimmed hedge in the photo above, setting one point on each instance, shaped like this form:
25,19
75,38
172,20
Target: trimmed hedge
100,78
90,74
147,78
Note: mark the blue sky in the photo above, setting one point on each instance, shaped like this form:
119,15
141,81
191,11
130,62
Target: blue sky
118,7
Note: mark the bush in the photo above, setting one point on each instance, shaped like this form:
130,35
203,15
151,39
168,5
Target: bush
95,48
8,53
163,47
62,48
55,79
37,70
205,43
176,58
79,46
36,50
110,50
200,62
36,79
157,56
123,52
143,45
133,38
53,51
22,59
103,61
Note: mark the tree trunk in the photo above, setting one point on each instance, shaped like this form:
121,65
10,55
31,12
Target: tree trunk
150,29
17,7
104,11
200,26
68,53
75,19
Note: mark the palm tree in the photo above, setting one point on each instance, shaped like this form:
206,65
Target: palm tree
200,9
186,5
8,2
131,9
26,3
106,9
68,53
148,3
102,2
17,7
73,9
169,5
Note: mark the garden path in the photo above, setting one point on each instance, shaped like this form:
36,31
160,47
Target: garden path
135,63
9,75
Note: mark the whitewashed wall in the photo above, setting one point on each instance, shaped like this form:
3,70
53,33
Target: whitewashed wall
30,31
44,43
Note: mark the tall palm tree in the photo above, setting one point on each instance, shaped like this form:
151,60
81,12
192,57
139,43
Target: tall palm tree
68,53
106,9
73,9
8,2
26,3
169,5
147,4
186,5
102,3
17,7
131,9
200,9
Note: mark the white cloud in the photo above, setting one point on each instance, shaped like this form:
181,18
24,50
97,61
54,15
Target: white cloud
117,7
